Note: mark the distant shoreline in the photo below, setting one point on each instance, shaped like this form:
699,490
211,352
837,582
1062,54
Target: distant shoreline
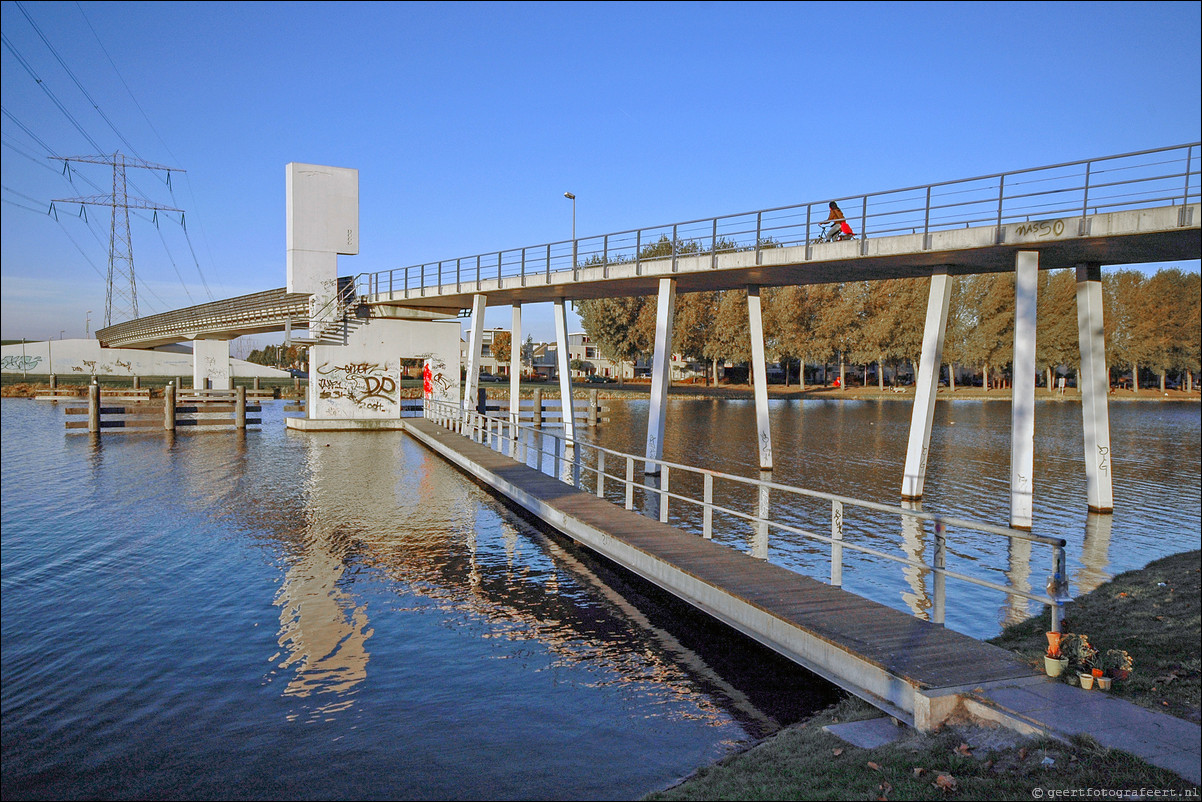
16,387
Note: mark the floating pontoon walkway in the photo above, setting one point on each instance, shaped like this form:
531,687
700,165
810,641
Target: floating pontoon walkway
910,668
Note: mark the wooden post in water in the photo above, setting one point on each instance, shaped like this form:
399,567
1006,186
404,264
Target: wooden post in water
169,407
94,407
53,382
137,383
256,382
592,407
538,409
240,406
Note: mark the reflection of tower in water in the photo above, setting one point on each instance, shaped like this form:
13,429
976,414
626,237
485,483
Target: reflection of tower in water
322,628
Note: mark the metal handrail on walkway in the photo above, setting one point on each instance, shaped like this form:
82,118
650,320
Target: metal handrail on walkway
499,431
1142,179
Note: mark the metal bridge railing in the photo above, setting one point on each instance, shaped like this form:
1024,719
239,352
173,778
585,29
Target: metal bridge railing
1143,179
214,317
587,466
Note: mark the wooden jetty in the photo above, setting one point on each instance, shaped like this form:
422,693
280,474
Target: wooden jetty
913,669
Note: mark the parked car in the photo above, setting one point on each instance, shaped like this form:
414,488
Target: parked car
297,373
597,378
489,377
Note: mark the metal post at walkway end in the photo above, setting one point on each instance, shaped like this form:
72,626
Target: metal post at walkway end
538,409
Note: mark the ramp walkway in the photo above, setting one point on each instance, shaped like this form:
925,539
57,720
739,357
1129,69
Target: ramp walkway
911,668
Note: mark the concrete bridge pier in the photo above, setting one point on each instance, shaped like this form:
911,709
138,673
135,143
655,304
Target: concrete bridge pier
211,365
565,373
1094,384
1022,404
661,367
475,350
515,374
755,320
923,414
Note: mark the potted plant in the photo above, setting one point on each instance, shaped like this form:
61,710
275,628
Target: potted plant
1081,656
1115,664
1054,662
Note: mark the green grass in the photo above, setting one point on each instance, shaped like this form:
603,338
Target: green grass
1153,613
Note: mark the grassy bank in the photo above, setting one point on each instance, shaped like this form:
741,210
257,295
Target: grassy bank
1153,613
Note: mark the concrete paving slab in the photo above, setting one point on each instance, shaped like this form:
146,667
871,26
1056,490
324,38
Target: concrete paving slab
1185,764
868,734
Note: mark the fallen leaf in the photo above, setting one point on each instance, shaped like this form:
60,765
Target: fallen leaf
988,765
919,771
873,766
837,752
964,749
1022,753
946,781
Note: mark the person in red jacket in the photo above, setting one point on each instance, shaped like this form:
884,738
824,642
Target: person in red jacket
838,226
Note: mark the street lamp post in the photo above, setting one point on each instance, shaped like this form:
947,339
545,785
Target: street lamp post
572,198
87,325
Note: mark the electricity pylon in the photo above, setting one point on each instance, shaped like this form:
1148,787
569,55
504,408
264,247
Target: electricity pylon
121,247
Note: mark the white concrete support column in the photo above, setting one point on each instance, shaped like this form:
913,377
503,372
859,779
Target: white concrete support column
661,372
563,363
1022,405
211,365
923,414
1094,385
474,349
755,320
515,374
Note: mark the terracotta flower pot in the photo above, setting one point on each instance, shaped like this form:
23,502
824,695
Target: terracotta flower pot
1053,644
1086,680
1104,683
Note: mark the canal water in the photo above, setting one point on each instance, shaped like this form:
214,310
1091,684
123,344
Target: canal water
280,615
857,448
341,615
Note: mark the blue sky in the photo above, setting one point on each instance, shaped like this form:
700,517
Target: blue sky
468,121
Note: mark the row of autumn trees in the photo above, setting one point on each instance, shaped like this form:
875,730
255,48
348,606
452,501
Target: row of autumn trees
1152,322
